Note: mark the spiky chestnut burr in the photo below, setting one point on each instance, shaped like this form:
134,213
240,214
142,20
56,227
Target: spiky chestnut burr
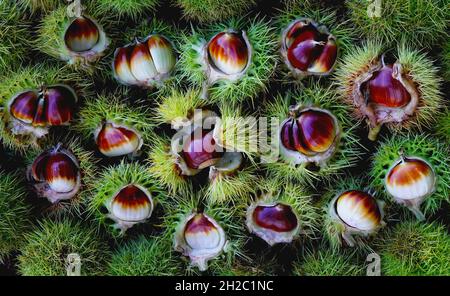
233,61
123,9
204,233
422,23
35,100
312,136
213,10
352,215
64,174
14,35
401,93
442,128
77,37
145,256
282,215
415,249
36,6
15,213
326,261
126,196
46,249
411,170
446,60
115,128
311,40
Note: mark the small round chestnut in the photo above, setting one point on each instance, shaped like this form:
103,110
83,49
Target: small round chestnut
409,181
55,174
274,222
308,49
131,205
358,212
116,140
200,238
308,135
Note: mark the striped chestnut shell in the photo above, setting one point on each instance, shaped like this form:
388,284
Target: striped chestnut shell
274,222
55,174
309,135
384,93
84,39
132,204
115,140
145,63
358,212
308,49
409,181
227,56
34,111
200,238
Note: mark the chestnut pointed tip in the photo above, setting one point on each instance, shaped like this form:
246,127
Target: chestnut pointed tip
132,204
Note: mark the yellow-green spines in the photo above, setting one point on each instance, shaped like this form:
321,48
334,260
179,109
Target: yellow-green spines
443,126
88,167
145,256
415,249
15,213
133,9
346,152
213,10
252,80
14,36
416,21
328,262
35,6
47,247
420,145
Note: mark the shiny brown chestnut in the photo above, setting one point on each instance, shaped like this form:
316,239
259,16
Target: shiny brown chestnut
116,140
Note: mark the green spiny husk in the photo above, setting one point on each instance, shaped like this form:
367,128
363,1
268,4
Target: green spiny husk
15,213
50,242
419,145
415,249
132,9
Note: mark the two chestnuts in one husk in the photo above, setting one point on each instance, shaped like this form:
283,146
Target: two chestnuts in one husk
200,238
33,112
55,174
358,213
117,140
227,56
274,222
130,205
309,135
384,94
308,49
145,63
409,181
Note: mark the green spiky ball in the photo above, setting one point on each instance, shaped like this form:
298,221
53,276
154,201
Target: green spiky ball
35,6
145,256
342,30
332,230
15,220
420,145
415,249
111,181
88,169
46,249
33,77
416,66
442,128
347,152
111,107
416,21
213,10
328,262
446,60
179,208
263,42
133,9
14,36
